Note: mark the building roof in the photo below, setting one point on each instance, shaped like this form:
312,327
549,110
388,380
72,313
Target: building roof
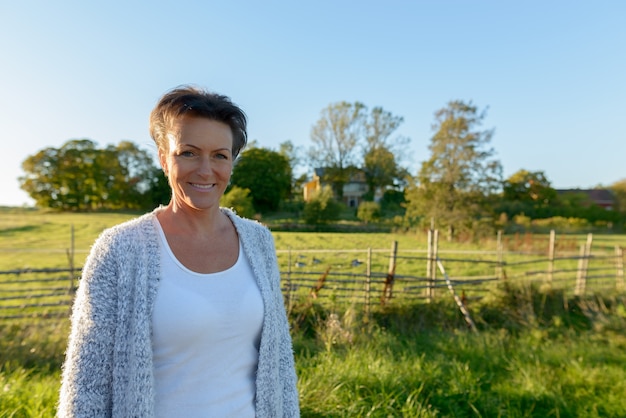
601,197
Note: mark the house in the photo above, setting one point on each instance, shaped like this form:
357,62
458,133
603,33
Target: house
601,197
353,189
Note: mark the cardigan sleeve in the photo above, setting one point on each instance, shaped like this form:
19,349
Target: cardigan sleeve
86,388
286,364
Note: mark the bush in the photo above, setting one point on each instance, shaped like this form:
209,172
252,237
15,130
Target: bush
239,200
368,212
322,207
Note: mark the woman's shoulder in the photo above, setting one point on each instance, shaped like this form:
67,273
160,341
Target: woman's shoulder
244,223
250,230
129,230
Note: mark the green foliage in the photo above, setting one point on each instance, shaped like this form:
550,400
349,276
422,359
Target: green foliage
380,168
78,176
619,192
529,193
392,202
345,127
267,174
159,192
368,212
240,200
455,185
526,186
335,137
321,208
381,153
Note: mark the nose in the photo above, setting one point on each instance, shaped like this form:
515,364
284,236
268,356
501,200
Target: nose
205,166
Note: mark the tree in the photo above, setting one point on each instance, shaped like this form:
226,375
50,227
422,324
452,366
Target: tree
619,191
529,193
455,186
136,175
292,154
345,128
380,152
79,176
62,178
380,169
267,174
335,137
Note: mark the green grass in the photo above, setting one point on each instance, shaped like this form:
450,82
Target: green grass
410,361
30,359
420,362
539,352
40,239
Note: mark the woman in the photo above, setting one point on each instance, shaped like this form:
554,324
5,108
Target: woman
180,312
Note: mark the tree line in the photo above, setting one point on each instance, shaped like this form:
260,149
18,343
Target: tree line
459,188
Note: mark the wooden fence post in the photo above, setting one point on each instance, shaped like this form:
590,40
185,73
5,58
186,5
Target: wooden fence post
434,265
388,289
551,254
619,260
431,265
499,256
457,299
289,289
368,281
70,259
583,264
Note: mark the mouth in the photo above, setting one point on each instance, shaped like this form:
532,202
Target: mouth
202,186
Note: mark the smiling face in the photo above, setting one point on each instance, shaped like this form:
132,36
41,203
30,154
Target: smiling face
198,162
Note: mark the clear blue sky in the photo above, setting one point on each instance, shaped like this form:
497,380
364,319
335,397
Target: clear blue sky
551,73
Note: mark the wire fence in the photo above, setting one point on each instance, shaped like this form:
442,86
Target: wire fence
368,277
365,282
37,293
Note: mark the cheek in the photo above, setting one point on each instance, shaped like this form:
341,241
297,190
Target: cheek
228,171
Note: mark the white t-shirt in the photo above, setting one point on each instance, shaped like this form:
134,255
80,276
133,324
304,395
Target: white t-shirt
206,334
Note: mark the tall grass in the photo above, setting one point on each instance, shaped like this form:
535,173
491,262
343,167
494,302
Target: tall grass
541,356
421,361
539,352
30,358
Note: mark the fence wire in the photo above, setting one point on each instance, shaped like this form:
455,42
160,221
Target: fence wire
361,278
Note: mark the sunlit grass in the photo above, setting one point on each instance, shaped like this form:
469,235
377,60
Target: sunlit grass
432,373
30,366
410,361
539,352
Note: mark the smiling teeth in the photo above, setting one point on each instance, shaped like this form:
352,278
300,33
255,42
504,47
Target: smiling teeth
202,186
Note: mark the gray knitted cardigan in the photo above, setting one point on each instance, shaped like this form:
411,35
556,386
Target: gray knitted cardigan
108,370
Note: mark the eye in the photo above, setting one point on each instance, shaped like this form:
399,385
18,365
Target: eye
186,153
221,156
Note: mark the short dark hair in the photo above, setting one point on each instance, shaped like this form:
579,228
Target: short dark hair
192,101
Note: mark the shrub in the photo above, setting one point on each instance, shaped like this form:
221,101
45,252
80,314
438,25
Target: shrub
368,212
321,208
239,200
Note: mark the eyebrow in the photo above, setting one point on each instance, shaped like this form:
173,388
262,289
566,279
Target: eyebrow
196,147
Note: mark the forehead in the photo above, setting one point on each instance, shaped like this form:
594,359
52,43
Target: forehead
199,129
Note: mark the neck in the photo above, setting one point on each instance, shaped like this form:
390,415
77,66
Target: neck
191,221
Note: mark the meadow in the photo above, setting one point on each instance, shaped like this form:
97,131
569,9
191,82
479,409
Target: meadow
538,352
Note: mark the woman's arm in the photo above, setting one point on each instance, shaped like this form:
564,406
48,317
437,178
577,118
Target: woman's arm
86,389
291,407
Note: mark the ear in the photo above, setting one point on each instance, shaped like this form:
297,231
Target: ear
163,161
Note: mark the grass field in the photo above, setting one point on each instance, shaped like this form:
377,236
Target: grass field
538,352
